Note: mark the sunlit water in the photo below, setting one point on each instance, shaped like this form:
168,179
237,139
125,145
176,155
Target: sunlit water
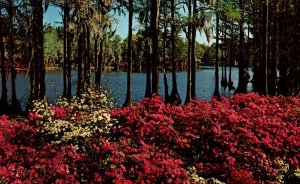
116,83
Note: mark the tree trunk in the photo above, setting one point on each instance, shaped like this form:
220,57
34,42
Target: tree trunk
155,4
38,42
283,86
100,60
146,56
165,35
275,54
174,97
88,46
15,105
222,62
40,51
80,52
225,55
96,58
4,100
265,47
189,77
256,43
193,54
148,71
65,50
248,47
69,64
216,91
224,77
30,57
87,65
230,82
129,57
242,84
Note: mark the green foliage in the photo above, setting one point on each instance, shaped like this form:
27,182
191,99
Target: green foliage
181,49
209,55
53,46
229,10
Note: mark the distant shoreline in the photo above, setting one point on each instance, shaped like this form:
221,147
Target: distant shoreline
47,69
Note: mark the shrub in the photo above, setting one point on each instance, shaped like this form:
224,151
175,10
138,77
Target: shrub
75,121
242,139
24,159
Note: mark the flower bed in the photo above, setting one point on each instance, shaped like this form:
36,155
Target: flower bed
242,139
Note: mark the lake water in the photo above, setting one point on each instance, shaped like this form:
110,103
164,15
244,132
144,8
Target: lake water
116,82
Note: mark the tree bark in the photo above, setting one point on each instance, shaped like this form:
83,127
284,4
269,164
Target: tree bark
4,100
275,53
155,4
265,47
174,97
40,51
69,64
96,53
165,35
283,87
230,82
189,77
129,57
193,52
146,56
216,91
242,84
80,58
87,62
100,60
65,50
224,74
256,43
15,106
39,65
225,54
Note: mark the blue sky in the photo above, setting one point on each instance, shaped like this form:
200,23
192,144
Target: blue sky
53,16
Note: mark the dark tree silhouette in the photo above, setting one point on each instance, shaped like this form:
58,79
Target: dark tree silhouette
174,96
15,105
129,56
38,45
242,84
148,62
3,100
193,50
165,37
155,4
216,91
189,76
80,58
265,47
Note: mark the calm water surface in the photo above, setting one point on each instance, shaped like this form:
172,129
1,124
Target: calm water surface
116,82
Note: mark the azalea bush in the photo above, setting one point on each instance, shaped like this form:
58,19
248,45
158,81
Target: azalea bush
73,122
25,158
241,139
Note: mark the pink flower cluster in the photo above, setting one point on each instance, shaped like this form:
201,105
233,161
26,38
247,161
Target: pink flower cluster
26,158
241,139
60,112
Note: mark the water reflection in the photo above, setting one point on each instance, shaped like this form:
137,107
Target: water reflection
116,82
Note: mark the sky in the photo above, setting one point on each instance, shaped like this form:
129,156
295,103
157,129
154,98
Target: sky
53,16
